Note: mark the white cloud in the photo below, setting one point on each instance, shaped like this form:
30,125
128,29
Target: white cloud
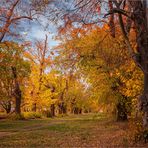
37,32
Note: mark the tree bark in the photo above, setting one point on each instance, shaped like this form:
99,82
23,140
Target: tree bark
77,110
34,108
144,101
17,92
121,112
140,21
52,110
62,108
52,106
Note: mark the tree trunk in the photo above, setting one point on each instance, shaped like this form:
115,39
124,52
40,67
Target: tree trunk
52,110
76,110
7,106
17,92
121,112
52,107
144,101
34,108
8,109
80,111
18,103
139,17
62,108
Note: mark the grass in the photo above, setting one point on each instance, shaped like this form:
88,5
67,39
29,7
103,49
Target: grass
70,131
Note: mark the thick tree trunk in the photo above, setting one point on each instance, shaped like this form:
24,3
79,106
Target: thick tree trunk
18,103
17,92
139,17
144,101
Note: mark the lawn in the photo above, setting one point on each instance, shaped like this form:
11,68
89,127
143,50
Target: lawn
72,131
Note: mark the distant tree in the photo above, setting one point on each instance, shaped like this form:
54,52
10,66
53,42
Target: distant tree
40,59
98,64
43,59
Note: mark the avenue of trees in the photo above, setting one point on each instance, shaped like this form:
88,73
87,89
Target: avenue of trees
99,65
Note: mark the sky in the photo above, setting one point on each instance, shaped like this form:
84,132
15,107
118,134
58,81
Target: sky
32,30
35,31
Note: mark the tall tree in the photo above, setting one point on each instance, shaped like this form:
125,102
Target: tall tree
13,69
40,59
43,59
129,14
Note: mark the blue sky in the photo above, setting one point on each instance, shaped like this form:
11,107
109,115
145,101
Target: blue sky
36,31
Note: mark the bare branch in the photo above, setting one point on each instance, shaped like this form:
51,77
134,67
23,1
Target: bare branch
21,17
117,10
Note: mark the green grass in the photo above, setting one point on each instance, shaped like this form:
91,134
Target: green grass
91,130
12,125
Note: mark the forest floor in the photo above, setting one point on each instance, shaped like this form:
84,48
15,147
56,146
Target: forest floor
89,130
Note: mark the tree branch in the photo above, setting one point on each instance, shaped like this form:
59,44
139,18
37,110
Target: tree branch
117,10
21,17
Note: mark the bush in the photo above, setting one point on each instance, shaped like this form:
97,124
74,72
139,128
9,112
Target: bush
3,115
16,117
61,115
137,131
32,115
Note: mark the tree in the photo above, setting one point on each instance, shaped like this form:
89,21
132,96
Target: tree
41,61
6,85
13,13
105,62
13,70
129,14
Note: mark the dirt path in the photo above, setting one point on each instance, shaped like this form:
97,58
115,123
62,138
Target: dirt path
4,134
66,132
30,128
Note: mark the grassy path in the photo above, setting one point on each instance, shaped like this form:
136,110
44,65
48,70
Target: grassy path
74,131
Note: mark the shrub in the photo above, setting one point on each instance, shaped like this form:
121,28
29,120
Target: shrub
16,117
32,115
137,131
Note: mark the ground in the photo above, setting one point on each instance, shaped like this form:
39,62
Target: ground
87,130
